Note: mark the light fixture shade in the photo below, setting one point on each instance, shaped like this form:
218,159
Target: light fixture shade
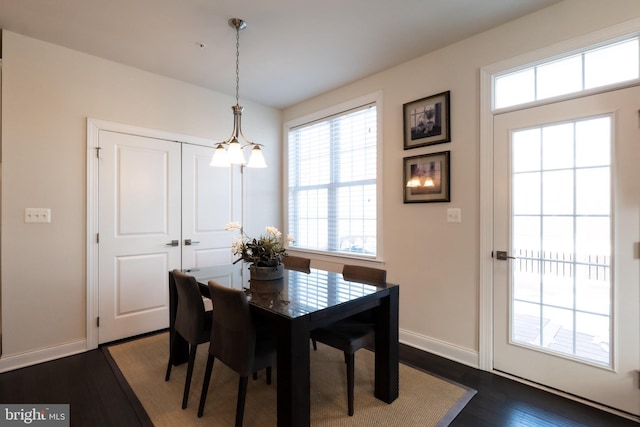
234,153
256,159
219,158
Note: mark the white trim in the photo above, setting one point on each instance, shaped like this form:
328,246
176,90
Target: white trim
444,349
21,360
94,126
485,321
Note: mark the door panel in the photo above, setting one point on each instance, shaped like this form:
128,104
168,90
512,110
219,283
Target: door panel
208,204
139,215
567,208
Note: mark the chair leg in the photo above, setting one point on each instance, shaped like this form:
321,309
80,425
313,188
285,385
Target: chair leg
170,364
242,394
315,344
187,383
255,375
350,380
268,374
205,384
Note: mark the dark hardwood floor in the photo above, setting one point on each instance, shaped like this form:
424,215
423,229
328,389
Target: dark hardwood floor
96,397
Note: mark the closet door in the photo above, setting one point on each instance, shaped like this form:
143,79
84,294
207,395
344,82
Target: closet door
208,204
139,232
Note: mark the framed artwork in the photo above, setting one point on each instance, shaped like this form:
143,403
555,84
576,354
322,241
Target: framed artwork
426,178
426,121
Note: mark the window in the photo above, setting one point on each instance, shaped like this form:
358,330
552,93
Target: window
332,182
615,62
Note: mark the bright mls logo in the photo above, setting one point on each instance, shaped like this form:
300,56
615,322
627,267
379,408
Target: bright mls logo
36,415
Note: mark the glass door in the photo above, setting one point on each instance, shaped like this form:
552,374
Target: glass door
566,223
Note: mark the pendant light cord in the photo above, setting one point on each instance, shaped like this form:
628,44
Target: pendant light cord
237,64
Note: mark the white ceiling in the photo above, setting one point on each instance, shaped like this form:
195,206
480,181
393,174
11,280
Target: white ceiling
291,50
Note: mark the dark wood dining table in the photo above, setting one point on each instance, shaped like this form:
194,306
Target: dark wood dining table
299,303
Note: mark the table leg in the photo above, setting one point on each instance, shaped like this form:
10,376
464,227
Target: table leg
294,408
387,368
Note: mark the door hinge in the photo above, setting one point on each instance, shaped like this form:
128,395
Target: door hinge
98,321
97,237
98,151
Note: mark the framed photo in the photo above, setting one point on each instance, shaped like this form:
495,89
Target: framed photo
426,121
426,178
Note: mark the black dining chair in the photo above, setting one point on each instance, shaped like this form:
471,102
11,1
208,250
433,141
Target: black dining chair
356,332
193,323
297,263
238,342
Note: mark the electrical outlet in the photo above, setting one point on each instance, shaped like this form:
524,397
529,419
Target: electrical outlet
454,215
37,215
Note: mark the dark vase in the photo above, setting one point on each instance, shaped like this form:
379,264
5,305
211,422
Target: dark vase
266,273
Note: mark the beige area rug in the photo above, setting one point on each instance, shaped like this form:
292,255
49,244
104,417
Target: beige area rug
425,400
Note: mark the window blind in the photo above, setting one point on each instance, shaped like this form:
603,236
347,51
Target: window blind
332,186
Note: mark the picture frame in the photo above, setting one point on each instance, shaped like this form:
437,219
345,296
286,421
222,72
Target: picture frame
427,121
427,178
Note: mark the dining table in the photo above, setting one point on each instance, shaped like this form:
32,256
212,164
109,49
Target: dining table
294,306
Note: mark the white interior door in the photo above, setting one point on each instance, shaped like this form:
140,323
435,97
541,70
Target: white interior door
567,208
207,206
139,232
160,206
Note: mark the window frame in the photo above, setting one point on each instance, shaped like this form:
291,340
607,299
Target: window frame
336,110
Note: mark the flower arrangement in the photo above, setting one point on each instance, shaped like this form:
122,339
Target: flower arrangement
267,250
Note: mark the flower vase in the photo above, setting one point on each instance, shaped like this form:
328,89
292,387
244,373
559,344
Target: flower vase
266,273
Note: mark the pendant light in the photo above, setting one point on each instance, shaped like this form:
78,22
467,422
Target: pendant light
231,151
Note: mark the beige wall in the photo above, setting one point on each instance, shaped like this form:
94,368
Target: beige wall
48,93
437,263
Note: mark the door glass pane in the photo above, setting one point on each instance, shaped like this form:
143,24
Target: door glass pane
561,237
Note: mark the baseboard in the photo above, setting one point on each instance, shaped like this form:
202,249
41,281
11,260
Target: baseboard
21,360
440,348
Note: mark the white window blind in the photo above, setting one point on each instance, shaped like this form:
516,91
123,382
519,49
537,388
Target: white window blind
332,188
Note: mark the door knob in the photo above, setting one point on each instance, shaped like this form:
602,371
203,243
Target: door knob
502,256
173,243
189,242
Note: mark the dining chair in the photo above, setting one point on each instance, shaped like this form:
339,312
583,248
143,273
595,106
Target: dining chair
297,263
193,323
356,332
238,342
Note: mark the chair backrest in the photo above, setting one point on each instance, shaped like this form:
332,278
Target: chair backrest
297,263
190,315
369,275
233,334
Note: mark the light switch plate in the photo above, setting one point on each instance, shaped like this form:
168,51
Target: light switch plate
454,215
37,215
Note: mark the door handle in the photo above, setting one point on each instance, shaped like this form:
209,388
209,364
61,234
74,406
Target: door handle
173,243
502,256
189,242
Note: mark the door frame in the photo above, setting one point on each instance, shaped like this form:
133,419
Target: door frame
487,73
94,126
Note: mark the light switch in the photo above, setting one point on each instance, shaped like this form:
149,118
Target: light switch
454,215
37,215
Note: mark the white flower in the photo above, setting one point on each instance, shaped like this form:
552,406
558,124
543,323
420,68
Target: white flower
289,238
233,226
236,246
274,232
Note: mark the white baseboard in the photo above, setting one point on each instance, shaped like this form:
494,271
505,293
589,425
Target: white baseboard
20,360
440,348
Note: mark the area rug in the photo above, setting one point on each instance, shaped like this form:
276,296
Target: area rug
424,400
